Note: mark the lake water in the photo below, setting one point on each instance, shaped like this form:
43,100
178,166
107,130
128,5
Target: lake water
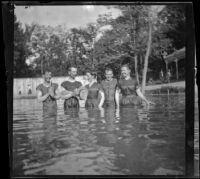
129,141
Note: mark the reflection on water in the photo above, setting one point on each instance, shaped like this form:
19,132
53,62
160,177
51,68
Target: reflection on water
138,141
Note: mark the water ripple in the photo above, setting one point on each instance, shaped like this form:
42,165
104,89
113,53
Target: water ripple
102,142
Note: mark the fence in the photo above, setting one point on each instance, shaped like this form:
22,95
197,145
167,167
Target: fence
27,86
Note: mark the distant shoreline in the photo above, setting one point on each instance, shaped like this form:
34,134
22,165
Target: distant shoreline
149,89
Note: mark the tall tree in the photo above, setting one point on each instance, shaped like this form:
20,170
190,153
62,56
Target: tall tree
21,69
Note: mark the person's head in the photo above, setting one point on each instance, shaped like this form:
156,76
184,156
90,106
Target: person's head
47,76
108,73
125,71
72,71
91,75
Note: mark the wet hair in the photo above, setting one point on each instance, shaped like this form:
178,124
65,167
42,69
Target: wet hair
93,73
46,70
69,69
108,69
126,65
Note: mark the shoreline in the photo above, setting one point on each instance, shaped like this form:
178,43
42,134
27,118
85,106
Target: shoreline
175,88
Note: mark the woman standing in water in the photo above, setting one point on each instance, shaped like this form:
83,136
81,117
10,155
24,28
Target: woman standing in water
94,89
129,88
70,90
47,93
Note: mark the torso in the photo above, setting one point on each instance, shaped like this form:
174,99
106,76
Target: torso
93,94
73,101
128,87
128,90
70,86
93,90
109,89
49,102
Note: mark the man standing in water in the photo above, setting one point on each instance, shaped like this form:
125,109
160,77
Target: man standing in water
47,93
109,87
129,88
71,89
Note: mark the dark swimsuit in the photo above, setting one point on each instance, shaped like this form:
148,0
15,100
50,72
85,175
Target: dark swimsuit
128,90
109,88
73,101
50,103
93,95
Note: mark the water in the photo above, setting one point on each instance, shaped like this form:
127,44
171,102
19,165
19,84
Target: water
131,141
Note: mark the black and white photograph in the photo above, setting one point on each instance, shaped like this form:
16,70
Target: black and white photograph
100,89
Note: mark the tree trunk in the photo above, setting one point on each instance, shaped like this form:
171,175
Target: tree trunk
147,57
93,59
93,54
177,69
140,66
74,58
48,61
42,59
136,68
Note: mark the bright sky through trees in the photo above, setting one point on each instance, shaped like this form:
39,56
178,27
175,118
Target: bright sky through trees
70,16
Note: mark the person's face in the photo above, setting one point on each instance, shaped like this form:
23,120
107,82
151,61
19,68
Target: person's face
73,72
89,77
125,72
108,75
47,77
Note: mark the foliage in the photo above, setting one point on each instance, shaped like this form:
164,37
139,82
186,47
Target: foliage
21,69
108,42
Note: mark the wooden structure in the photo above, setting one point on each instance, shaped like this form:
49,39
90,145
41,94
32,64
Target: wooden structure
175,57
22,86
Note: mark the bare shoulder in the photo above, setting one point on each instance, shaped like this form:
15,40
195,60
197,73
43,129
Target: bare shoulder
39,87
55,84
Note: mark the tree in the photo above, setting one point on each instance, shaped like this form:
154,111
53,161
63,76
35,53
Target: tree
21,69
138,36
144,33
147,51
49,49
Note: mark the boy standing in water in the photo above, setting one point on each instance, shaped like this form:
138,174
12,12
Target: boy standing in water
109,87
47,93
70,90
129,88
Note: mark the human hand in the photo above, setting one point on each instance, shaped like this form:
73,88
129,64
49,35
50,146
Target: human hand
76,92
51,91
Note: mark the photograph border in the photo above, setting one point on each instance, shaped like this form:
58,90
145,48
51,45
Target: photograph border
8,36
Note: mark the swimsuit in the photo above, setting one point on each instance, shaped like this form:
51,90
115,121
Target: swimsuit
109,88
128,90
93,95
71,102
49,103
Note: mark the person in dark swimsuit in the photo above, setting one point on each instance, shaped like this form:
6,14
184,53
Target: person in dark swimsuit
94,90
70,90
109,87
130,90
47,93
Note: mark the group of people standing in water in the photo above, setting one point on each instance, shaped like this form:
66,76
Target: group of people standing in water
96,95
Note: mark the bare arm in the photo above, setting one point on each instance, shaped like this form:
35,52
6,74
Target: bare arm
81,88
65,94
139,93
41,98
102,98
117,92
57,95
78,90
54,95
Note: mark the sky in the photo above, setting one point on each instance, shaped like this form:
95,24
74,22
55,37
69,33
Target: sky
71,16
